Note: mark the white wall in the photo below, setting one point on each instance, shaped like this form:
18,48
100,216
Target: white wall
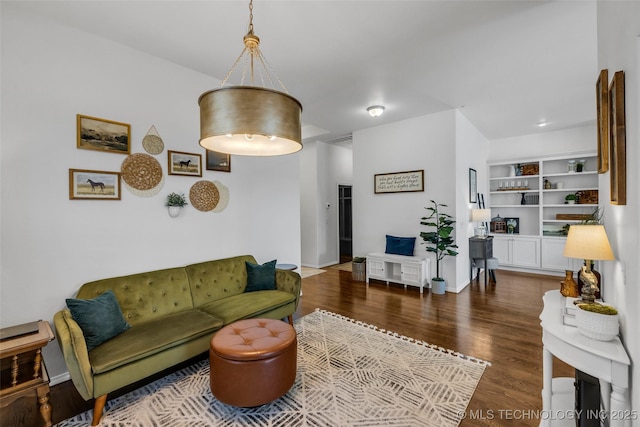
323,168
50,244
426,143
619,49
472,150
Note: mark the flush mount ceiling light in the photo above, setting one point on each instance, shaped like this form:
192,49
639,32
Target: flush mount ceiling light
375,110
250,120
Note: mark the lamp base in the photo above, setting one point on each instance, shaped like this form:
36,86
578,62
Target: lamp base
589,288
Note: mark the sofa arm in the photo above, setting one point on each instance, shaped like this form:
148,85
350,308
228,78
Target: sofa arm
289,281
74,350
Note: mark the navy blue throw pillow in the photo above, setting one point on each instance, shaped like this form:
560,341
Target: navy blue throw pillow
99,318
261,277
400,245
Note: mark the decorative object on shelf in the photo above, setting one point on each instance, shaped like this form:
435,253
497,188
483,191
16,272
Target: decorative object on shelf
204,195
175,202
523,199
581,165
93,185
512,170
568,286
223,193
220,162
530,169
359,268
399,182
532,199
571,166
473,186
481,216
498,225
547,184
587,197
597,321
570,199
602,116
572,217
250,120
440,241
142,175
188,164
103,135
152,143
617,141
588,242
513,225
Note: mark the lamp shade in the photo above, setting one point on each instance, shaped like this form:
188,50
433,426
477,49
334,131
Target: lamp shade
480,215
250,121
588,242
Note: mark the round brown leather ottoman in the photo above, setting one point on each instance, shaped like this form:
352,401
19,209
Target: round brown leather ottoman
253,361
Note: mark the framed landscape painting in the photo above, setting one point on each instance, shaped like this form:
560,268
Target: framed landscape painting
218,161
189,164
103,135
94,185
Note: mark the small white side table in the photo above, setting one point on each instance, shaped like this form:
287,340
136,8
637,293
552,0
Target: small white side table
606,360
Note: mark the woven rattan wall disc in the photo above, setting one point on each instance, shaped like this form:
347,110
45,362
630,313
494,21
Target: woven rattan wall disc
141,171
204,196
152,143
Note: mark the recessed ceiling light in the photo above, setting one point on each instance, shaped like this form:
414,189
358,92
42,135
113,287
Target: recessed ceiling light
375,110
542,123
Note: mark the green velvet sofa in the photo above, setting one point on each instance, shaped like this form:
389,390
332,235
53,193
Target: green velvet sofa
173,314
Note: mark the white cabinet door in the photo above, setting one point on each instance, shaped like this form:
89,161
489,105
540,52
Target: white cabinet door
411,273
375,269
502,250
552,258
526,252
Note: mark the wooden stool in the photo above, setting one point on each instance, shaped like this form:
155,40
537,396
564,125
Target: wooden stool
492,265
253,362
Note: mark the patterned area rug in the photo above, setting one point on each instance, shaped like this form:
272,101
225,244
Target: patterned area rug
308,272
349,374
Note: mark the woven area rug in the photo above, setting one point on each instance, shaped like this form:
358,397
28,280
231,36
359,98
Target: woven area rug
309,271
349,374
344,267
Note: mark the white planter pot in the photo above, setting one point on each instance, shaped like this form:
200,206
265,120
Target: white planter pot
600,327
438,287
174,211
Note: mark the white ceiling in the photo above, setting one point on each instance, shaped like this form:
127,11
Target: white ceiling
506,64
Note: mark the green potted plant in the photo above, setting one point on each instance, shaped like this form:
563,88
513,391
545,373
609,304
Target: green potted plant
439,241
174,203
358,268
570,199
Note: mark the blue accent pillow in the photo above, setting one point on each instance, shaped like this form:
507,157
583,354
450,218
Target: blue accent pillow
99,318
400,245
261,277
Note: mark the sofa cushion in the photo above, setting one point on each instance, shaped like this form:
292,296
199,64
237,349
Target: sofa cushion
261,277
100,318
221,278
152,337
400,245
247,305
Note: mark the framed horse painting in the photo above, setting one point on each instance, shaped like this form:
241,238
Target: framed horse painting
188,164
94,185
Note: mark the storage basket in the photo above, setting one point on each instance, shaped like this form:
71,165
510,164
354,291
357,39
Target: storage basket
530,169
600,327
587,197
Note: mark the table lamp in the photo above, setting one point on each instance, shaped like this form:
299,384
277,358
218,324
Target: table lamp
481,216
588,242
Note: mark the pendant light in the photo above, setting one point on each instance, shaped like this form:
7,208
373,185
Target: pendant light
250,120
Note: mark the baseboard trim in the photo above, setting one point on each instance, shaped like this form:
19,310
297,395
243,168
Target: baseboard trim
59,379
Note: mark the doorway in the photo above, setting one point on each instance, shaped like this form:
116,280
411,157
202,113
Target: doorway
344,223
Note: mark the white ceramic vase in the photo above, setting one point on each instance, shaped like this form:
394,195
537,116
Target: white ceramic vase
174,211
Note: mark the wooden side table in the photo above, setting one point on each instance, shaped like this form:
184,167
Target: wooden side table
23,371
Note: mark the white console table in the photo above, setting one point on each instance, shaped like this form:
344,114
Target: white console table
608,361
407,270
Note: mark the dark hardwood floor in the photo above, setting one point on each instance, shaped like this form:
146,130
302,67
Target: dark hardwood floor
497,323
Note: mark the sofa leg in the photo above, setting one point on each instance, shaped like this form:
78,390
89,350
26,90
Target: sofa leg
290,319
98,407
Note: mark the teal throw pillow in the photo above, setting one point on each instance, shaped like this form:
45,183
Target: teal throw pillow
261,277
99,318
